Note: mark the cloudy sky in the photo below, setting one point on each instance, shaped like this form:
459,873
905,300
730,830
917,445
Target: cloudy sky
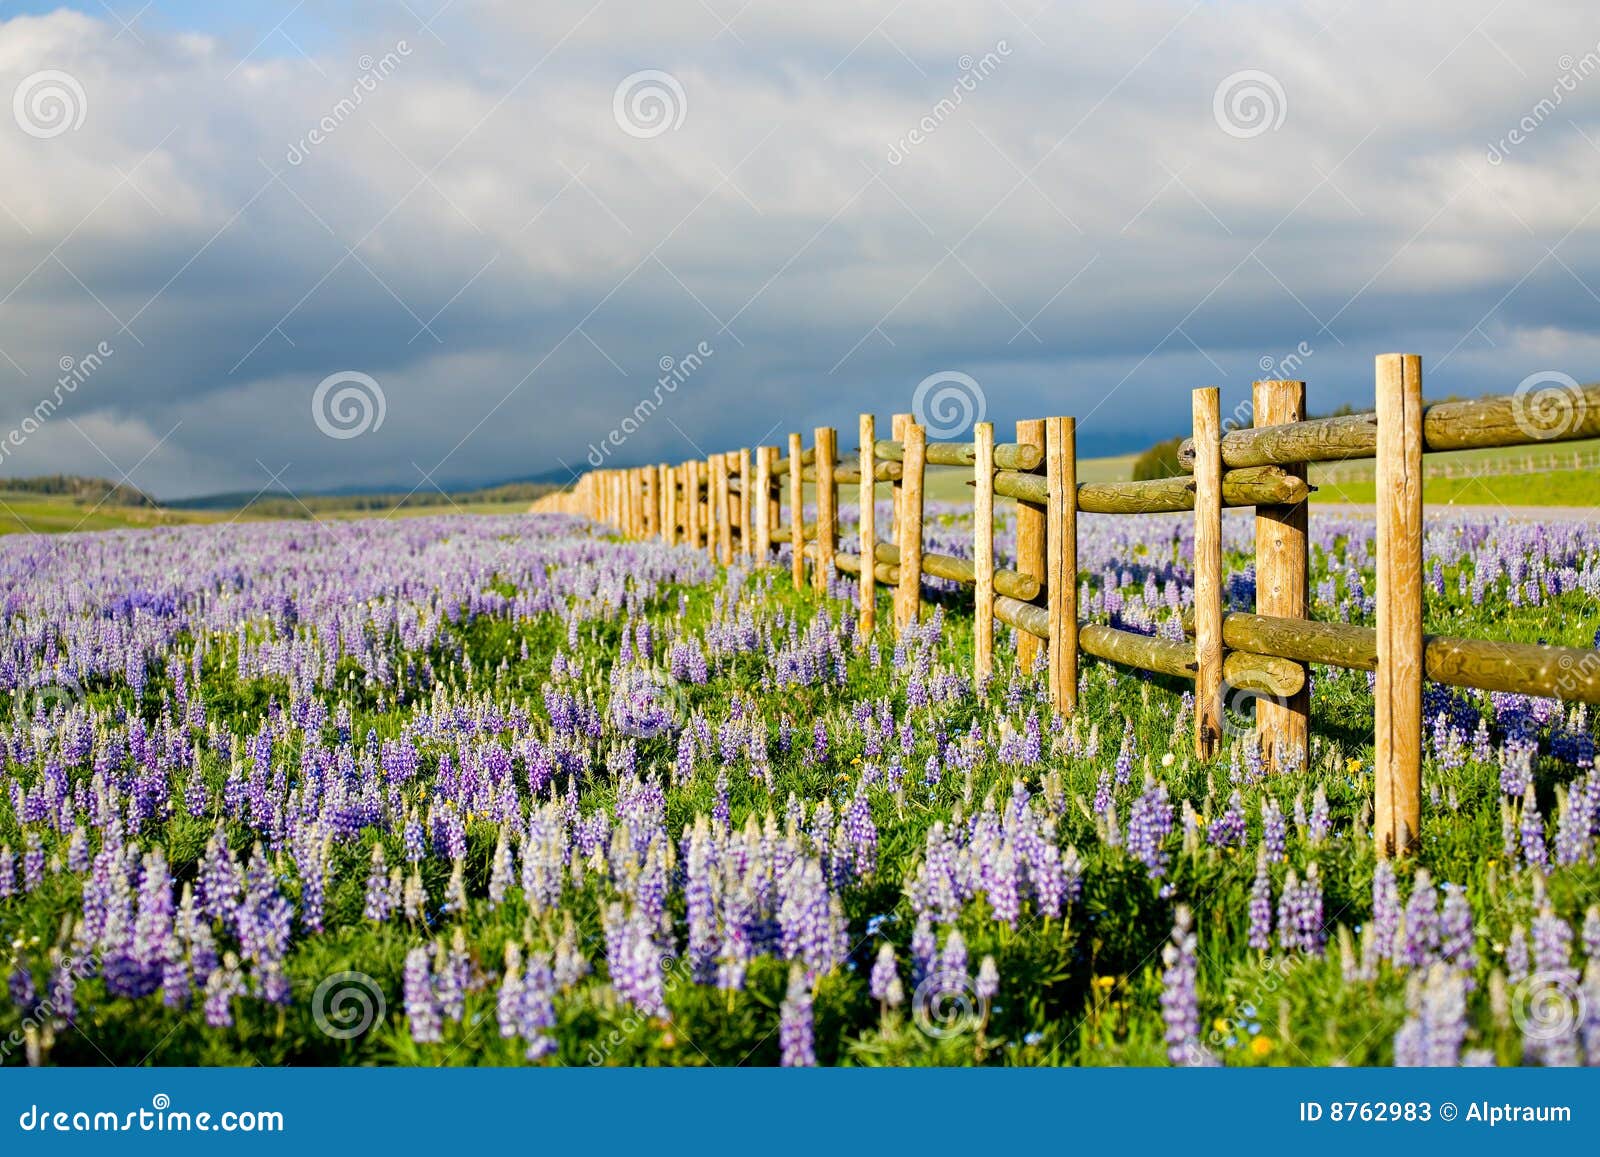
491,224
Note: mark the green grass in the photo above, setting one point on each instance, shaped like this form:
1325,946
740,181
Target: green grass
1551,488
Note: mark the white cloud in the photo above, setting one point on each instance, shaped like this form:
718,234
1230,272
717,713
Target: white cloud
1077,232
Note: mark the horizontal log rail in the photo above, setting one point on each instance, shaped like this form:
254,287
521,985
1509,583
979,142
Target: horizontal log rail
1570,673
1260,486
1267,674
1464,425
1007,455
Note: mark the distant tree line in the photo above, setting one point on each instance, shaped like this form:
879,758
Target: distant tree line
79,488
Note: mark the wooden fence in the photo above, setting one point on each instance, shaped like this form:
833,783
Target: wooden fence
733,503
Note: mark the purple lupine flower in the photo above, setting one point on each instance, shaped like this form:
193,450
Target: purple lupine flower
1261,905
422,1007
988,985
1320,824
1274,830
1180,1000
1532,831
884,972
1228,829
1149,824
795,1029
1437,1025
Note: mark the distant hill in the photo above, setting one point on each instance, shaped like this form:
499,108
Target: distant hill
79,488
281,504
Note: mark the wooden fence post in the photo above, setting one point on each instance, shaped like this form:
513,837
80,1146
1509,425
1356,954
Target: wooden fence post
724,549
1283,727
762,497
866,497
827,447
691,503
897,431
1031,554
745,503
1398,695
1207,407
1061,577
649,502
797,512
983,553
908,603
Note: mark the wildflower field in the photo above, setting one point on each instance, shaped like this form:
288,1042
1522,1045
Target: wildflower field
505,790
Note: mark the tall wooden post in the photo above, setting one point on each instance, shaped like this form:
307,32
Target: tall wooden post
746,502
1283,727
691,503
827,453
1207,572
724,546
797,513
897,431
908,602
1398,696
866,497
1061,569
762,498
1031,554
983,552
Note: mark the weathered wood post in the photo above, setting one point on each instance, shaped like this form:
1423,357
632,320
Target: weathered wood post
724,551
1061,563
691,503
1031,552
746,504
649,502
866,492
1207,407
897,431
913,461
983,552
827,452
1397,772
797,512
1282,727
762,499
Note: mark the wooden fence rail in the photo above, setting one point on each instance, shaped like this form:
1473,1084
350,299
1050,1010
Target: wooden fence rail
732,505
